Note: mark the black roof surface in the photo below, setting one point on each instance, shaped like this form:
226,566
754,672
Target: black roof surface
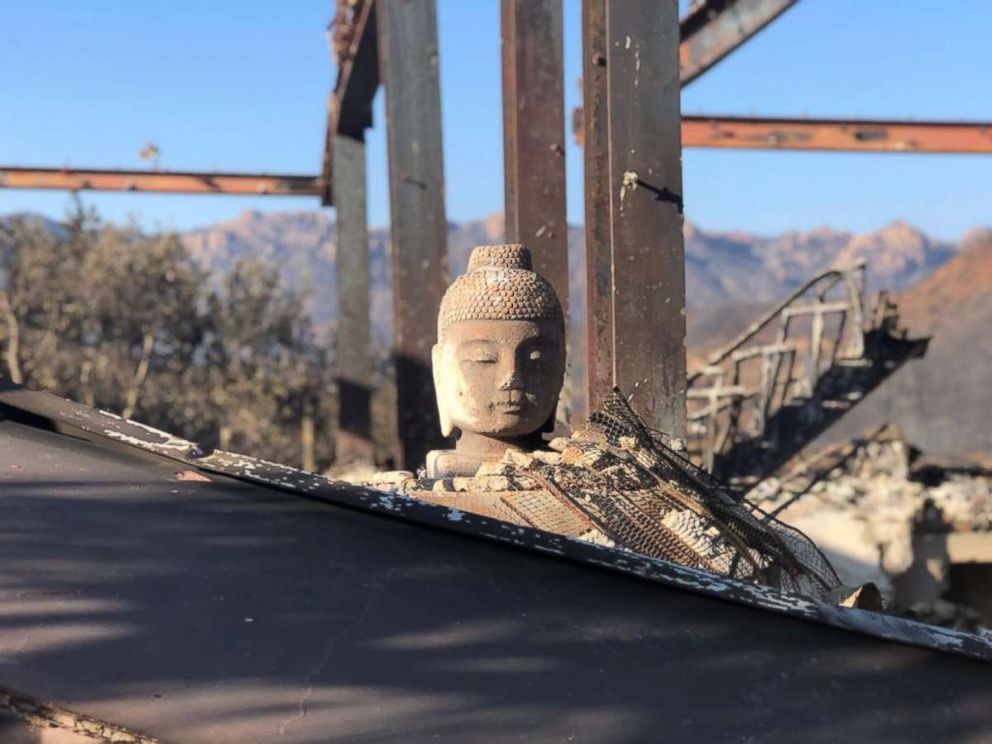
227,612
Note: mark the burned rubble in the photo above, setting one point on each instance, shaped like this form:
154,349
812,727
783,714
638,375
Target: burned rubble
919,529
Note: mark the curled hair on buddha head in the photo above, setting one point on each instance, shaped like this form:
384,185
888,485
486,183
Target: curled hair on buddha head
499,284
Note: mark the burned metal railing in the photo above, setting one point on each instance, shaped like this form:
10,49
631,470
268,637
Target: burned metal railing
791,374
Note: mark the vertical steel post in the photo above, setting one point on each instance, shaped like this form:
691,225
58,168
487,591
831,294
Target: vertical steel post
353,354
645,185
534,135
599,260
408,67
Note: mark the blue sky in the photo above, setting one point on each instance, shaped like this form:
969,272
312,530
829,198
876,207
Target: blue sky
242,85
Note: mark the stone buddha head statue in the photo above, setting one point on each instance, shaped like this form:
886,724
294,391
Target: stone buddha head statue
499,361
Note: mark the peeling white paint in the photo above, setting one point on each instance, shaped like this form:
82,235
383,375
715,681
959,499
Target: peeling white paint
659,571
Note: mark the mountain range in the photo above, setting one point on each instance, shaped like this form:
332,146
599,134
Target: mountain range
722,268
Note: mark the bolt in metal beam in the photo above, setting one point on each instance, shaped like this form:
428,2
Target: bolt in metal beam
173,182
353,355
599,259
408,65
534,135
837,134
645,182
716,28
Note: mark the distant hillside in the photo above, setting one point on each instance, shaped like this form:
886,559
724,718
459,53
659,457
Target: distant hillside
732,277
943,402
721,268
303,246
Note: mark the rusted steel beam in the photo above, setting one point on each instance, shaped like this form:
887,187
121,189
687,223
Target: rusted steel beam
350,105
408,64
353,350
849,135
176,182
715,28
534,135
599,269
712,30
645,185
836,134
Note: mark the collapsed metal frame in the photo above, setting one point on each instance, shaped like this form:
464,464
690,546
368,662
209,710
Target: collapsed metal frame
633,134
763,396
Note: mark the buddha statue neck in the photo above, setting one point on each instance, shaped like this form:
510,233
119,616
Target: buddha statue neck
499,361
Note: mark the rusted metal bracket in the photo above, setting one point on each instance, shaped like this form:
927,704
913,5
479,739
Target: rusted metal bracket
350,105
715,28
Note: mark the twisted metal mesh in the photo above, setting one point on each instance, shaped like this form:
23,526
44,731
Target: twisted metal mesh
646,497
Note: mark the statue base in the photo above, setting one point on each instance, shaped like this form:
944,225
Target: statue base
452,464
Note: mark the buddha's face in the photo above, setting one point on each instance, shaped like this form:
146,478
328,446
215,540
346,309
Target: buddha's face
499,378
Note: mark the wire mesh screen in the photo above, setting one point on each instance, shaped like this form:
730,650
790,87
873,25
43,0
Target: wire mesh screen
646,497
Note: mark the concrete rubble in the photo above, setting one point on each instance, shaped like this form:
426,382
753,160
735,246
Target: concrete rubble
883,514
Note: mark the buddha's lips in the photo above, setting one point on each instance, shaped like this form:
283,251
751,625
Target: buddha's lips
511,404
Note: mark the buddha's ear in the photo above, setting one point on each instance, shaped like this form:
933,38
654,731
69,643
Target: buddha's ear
442,399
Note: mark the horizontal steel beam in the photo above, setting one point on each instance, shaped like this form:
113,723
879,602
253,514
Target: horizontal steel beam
851,135
175,182
715,28
836,134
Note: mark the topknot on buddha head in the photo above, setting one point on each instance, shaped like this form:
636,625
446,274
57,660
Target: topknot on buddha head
500,284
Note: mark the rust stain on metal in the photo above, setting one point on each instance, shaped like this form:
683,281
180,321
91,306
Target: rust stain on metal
177,182
191,475
829,135
837,134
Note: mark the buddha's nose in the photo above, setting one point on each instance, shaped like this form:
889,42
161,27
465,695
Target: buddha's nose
511,378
